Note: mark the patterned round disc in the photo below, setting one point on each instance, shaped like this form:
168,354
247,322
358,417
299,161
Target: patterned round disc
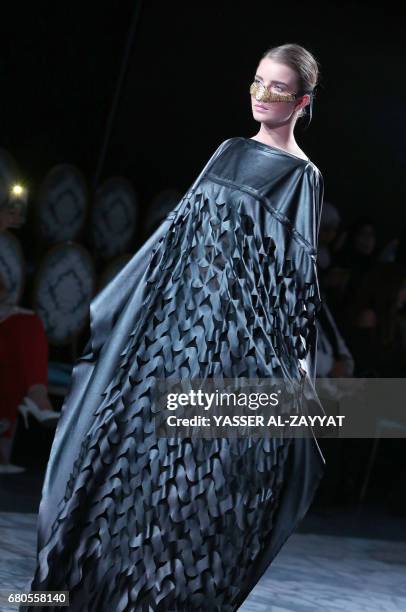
62,204
114,217
64,287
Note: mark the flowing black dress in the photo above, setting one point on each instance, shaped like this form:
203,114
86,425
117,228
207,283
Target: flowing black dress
226,287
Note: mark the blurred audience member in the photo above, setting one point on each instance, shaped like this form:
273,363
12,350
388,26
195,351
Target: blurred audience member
23,369
376,322
329,224
333,356
395,249
359,252
388,253
349,265
400,254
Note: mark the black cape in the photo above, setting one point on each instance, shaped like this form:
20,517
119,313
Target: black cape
226,286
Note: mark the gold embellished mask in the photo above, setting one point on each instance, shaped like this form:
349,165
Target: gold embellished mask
262,94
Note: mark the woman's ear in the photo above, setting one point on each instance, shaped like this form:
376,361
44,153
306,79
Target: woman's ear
304,101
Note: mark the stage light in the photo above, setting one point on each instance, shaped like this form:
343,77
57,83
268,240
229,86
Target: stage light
18,191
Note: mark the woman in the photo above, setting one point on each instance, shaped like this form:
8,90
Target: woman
23,379
23,356
350,265
376,324
226,286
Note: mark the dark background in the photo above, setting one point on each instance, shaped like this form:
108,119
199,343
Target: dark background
186,90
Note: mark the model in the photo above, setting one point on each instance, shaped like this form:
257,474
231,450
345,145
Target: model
226,287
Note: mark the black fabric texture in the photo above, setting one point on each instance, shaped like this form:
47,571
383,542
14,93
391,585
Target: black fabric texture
225,287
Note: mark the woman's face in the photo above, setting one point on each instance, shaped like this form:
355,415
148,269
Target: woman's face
280,79
365,240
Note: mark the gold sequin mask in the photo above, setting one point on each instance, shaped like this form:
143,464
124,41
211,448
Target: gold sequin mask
262,94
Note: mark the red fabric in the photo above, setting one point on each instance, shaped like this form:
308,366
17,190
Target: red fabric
23,362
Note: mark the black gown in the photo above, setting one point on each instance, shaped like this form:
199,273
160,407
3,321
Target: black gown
227,287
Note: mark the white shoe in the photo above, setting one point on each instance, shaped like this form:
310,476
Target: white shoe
10,468
28,406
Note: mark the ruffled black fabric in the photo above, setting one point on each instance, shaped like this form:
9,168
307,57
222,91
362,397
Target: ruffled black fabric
225,287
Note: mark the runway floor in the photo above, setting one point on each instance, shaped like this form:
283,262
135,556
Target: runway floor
312,573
